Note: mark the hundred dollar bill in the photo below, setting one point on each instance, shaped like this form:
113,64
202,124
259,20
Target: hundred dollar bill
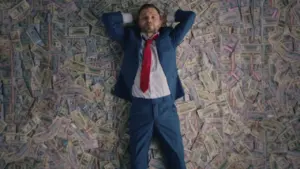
34,36
19,154
19,9
200,7
27,59
79,120
86,160
287,134
103,49
200,156
50,133
39,52
251,48
201,31
186,107
79,31
205,95
30,125
2,125
229,18
277,161
72,154
238,95
207,80
91,48
211,13
272,125
98,31
211,146
216,137
219,162
15,35
88,16
209,111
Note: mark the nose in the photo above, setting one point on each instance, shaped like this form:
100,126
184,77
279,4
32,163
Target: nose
149,19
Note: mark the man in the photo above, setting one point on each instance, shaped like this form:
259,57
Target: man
149,80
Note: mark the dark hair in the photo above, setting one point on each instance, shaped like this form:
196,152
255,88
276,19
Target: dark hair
146,6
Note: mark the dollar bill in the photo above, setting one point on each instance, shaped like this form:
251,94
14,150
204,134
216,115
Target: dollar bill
87,15
209,111
251,48
39,52
209,83
34,36
50,133
200,156
79,120
91,48
2,125
79,31
86,160
239,96
186,107
200,8
211,147
19,10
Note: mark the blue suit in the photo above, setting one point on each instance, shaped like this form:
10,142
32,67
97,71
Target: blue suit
151,116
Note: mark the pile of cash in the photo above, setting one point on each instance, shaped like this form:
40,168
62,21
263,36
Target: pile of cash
239,65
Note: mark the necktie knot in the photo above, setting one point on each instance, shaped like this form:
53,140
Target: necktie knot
150,40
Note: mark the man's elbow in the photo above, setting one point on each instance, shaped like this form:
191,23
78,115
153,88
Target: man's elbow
105,18
181,15
192,15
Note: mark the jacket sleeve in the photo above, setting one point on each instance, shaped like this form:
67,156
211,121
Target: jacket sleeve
114,25
186,20
120,90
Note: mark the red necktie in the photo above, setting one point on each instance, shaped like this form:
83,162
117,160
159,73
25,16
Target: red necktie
146,65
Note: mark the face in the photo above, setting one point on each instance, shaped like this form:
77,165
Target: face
149,20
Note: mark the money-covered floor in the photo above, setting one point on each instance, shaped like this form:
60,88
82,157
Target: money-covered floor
240,68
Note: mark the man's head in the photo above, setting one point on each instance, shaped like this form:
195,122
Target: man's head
149,18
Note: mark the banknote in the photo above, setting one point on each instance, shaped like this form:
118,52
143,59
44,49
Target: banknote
98,31
209,111
238,95
19,9
186,107
78,119
39,51
200,8
211,147
209,82
34,36
50,133
79,31
91,48
239,69
87,15
2,125
251,48
201,156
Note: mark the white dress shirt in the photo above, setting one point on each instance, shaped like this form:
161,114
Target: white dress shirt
158,86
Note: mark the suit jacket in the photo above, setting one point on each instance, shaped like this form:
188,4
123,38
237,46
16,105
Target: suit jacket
130,41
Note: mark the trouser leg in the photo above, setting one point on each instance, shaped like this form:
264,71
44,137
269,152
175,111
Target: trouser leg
140,131
167,128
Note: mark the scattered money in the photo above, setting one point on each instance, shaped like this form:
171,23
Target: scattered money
78,31
239,67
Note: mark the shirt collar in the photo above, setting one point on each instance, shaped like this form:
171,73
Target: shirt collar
143,35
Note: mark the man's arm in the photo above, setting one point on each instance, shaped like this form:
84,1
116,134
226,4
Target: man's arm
186,20
114,24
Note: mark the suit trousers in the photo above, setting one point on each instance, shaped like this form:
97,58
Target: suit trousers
159,118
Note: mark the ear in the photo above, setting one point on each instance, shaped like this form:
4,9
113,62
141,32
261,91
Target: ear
163,19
